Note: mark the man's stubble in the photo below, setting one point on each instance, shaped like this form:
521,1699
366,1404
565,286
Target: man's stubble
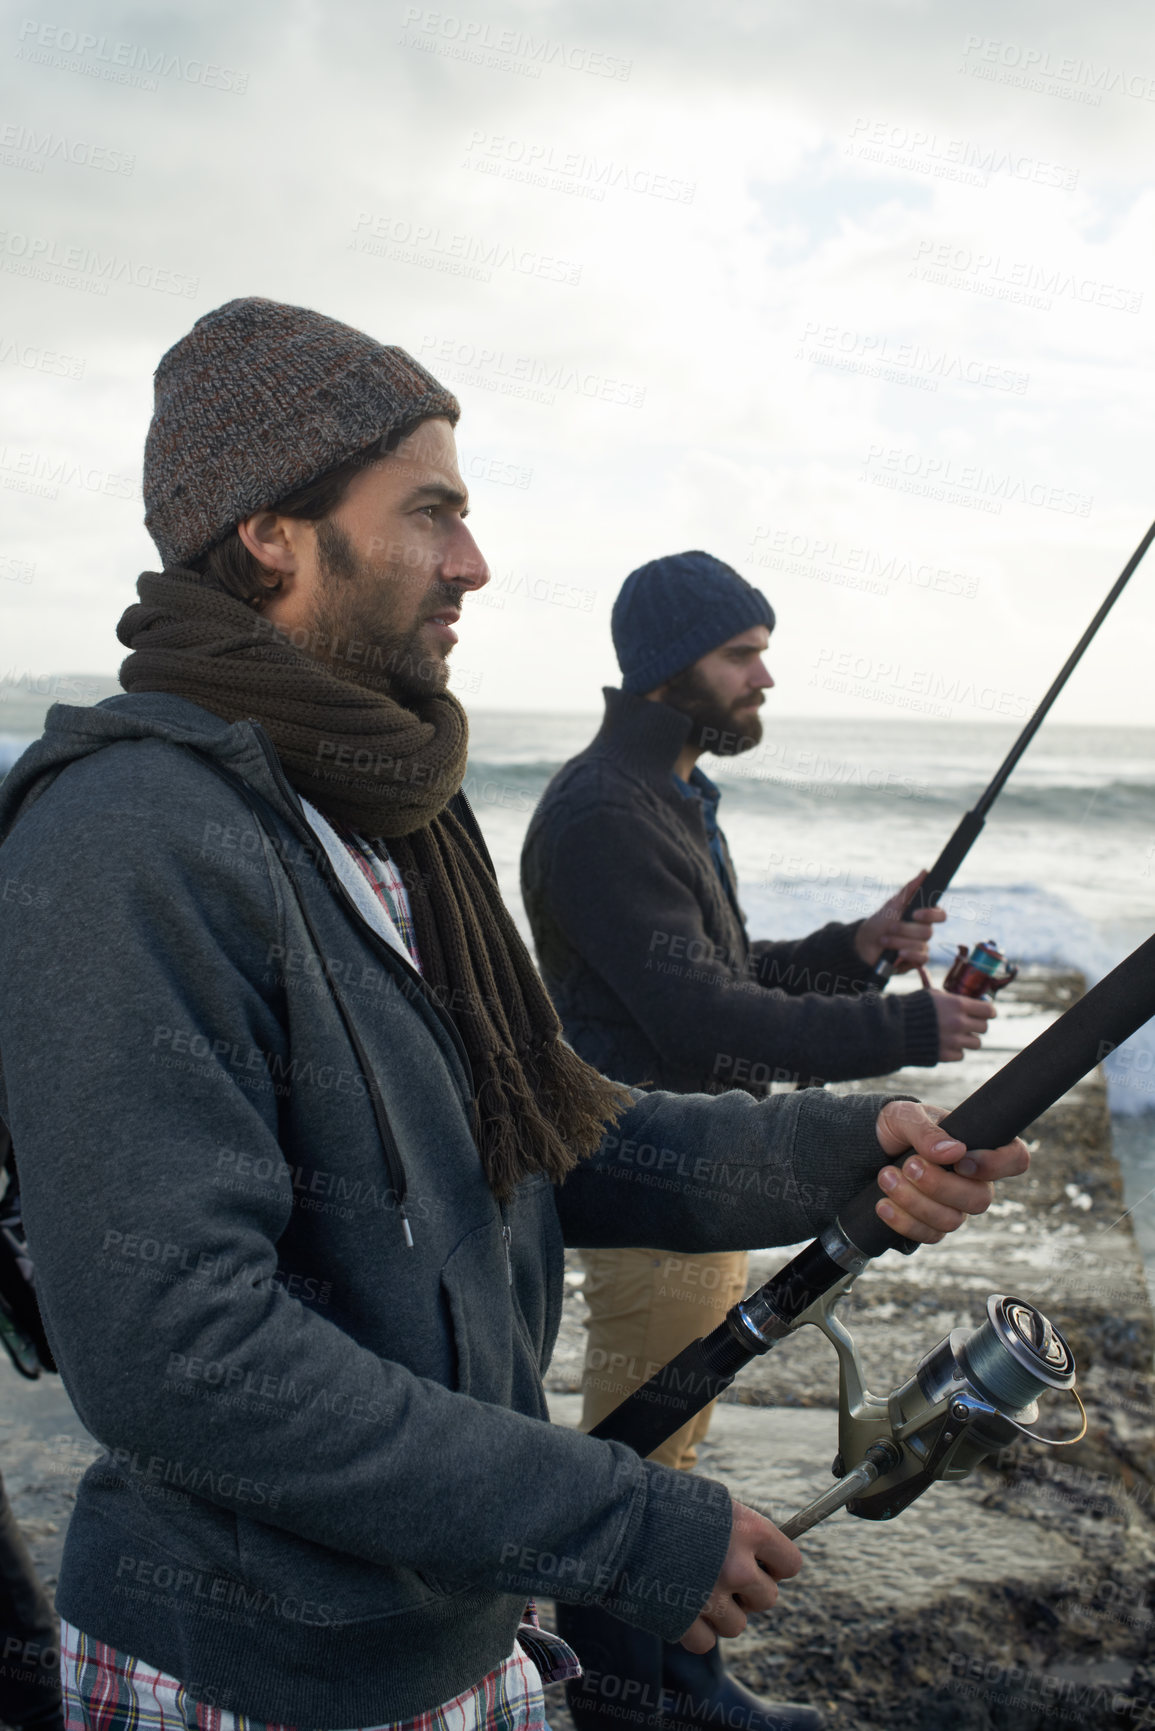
355,630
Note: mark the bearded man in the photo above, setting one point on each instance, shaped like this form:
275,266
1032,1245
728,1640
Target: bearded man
299,1141
633,902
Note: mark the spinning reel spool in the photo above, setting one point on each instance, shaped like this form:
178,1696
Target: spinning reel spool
971,1395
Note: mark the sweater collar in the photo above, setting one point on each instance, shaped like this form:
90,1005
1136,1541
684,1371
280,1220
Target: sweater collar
642,736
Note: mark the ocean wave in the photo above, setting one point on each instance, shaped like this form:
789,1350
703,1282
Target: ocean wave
1030,922
1118,801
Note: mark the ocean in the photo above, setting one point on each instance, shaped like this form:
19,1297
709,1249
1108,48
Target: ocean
826,818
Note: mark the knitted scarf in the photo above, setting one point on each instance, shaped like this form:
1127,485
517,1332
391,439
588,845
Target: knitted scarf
389,770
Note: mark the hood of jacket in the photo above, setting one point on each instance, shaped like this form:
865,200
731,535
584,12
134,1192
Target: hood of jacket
72,732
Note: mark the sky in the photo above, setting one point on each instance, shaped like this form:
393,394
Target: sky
856,296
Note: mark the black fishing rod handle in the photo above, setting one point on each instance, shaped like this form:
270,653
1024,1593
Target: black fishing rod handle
700,1373
1032,1081
937,881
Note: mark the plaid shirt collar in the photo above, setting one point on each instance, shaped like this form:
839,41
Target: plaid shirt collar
374,861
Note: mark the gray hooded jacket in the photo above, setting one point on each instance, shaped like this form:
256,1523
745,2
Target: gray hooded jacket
330,1483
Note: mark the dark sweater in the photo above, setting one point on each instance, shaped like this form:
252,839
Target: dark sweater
644,948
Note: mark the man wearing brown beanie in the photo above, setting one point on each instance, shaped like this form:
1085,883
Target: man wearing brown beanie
299,1141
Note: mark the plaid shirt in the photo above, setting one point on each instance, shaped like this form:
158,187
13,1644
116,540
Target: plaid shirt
106,1690
384,880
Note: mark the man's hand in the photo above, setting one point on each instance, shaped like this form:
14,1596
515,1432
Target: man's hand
885,931
961,1024
924,1201
759,1557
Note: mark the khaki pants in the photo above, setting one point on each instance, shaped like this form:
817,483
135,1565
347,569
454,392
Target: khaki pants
645,1306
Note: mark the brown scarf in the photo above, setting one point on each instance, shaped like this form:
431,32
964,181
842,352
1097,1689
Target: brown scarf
388,770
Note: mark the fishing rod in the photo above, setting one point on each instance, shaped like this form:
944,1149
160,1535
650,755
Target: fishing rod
971,1393
938,879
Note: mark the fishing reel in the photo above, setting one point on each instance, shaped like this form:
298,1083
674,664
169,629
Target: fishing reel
972,1394
975,973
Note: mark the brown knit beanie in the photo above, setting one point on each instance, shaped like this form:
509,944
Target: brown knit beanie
258,400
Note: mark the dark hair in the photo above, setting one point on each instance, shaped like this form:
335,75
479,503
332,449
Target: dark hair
231,566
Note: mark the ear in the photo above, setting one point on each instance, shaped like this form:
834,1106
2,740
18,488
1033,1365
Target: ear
276,543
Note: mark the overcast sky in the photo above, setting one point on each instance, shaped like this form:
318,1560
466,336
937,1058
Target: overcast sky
857,296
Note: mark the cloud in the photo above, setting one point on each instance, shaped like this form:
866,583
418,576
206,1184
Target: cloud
870,277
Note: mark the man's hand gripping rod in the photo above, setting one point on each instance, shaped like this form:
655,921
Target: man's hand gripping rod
973,1392
938,879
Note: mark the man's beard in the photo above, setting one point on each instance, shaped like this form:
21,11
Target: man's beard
725,731
353,629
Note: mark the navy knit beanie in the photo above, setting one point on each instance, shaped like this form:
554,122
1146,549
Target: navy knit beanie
674,610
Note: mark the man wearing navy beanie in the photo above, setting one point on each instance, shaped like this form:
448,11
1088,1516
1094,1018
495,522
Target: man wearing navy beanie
633,902
671,612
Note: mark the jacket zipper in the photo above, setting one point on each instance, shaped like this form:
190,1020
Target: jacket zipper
393,1157
334,883
518,1314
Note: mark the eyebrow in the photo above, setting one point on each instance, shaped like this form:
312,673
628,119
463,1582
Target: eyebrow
438,492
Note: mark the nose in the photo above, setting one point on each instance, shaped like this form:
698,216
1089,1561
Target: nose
762,681
464,562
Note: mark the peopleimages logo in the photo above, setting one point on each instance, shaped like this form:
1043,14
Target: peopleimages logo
576,172
909,363
970,484
1067,76
852,567
86,269
924,151
34,472
25,147
128,63
14,352
925,689
1023,282
502,47
434,248
168,1585
525,376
